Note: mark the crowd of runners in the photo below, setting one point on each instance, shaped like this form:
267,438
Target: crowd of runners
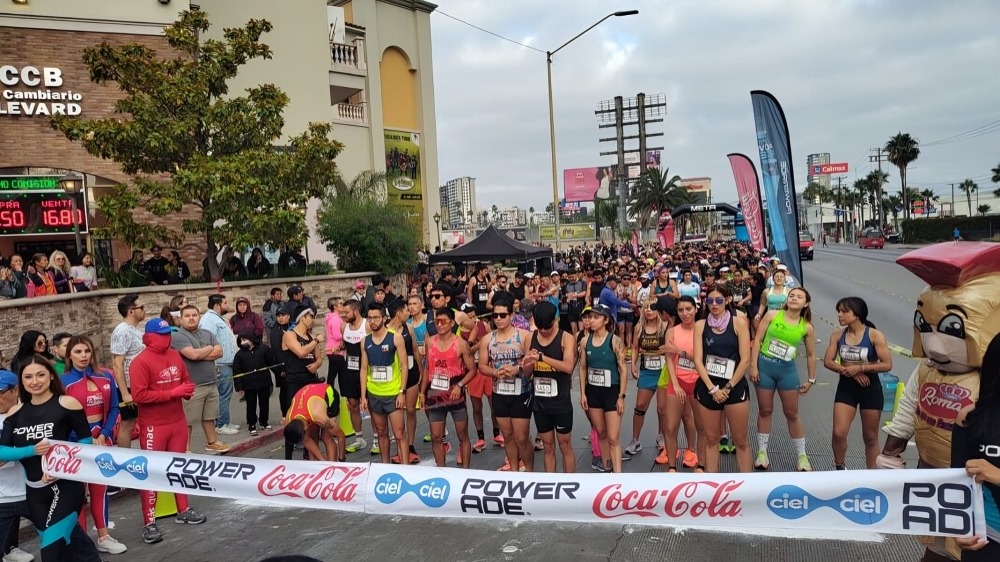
697,329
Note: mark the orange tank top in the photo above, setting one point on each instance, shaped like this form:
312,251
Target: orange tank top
299,409
684,366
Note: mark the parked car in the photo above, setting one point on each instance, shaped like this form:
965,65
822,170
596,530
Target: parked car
805,245
871,238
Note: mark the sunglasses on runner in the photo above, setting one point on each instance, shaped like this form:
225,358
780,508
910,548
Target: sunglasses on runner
437,295
441,321
501,315
715,300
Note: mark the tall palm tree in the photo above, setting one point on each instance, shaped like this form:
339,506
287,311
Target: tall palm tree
996,174
894,204
983,209
607,214
996,193
969,187
876,183
902,150
655,192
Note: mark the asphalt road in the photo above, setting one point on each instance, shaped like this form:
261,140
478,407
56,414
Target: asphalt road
239,531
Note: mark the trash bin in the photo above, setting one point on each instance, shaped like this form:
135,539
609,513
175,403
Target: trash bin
889,384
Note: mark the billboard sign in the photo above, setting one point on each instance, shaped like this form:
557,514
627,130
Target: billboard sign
402,162
827,169
581,231
586,184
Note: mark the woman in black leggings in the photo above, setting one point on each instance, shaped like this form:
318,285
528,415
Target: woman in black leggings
45,413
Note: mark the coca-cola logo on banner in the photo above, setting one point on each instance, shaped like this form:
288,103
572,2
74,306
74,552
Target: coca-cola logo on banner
335,483
688,499
62,459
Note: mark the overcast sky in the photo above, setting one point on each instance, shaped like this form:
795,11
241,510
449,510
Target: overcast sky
849,74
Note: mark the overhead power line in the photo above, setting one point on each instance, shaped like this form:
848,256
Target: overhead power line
487,31
986,129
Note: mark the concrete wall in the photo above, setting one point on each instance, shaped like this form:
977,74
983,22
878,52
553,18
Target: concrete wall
95,314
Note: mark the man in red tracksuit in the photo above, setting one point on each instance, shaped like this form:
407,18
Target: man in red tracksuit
159,383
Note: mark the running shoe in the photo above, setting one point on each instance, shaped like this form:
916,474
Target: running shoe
660,445
226,430
633,448
267,426
217,447
762,462
840,467
690,458
479,446
498,439
375,450
662,458
151,534
626,456
724,444
597,464
505,467
110,545
358,444
427,438
414,458
394,459
539,445
804,465
447,447
191,517
253,431
18,555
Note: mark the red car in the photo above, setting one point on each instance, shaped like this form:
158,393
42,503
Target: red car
871,238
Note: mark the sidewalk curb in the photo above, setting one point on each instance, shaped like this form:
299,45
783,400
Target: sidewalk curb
27,530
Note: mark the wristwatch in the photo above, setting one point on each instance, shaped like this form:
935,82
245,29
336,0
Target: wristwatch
729,385
811,381
461,384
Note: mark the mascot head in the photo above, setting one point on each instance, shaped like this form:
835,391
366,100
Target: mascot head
958,314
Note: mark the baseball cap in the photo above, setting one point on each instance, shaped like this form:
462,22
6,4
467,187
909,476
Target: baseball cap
518,274
294,290
529,275
8,380
724,270
601,309
467,307
282,310
782,267
157,326
553,274
359,285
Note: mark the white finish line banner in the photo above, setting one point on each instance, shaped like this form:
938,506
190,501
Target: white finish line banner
912,502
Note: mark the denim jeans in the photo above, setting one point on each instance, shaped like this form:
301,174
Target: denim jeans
225,393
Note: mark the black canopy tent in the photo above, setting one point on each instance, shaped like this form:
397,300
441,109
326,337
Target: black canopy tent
492,245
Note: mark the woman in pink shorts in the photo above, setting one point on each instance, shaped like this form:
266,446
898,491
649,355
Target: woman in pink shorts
680,390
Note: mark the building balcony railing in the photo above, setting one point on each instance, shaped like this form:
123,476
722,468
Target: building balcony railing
348,54
350,112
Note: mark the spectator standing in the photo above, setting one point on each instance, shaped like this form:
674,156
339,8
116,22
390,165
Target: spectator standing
258,265
126,344
156,267
84,276
200,349
246,320
254,362
178,268
61,272
270,310
41,281
58,349
297,295
213,321
20,276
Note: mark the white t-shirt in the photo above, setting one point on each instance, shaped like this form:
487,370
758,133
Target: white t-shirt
127,340
11,478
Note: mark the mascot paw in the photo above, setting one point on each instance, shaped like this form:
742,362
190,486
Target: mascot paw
887,462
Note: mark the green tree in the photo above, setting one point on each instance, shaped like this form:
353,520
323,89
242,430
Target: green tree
903,150
368,234
186,144
929,198
996,193
996,175
968,187
816,193
655,192
894,204
606,211
877,179
983,209
368,185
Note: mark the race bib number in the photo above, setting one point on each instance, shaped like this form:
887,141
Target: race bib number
354,363
853,353
599,377
781,350
381,373
720,367
546,387
652,362
440,382
508,387
685,363
482,297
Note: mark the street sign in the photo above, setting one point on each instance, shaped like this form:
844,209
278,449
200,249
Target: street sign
827,169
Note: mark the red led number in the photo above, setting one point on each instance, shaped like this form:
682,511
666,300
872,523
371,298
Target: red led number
11,219
61,217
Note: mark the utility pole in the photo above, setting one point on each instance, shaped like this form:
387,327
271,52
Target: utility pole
839,211
621,113
953,200
878,156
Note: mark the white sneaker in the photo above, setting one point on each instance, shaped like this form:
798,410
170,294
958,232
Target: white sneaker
18,555
659,442
234,426
226,430
633,448
110,545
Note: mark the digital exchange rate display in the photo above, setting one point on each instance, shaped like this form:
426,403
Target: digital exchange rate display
41,212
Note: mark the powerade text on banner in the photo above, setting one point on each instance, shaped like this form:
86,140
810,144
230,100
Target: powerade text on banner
916,502
779,181
748,190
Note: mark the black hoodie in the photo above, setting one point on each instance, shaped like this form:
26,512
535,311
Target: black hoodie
259,362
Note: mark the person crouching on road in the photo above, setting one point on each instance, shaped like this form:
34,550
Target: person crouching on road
313,414
160,381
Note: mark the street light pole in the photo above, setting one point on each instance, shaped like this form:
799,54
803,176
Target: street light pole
437,228
552,118
72,184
